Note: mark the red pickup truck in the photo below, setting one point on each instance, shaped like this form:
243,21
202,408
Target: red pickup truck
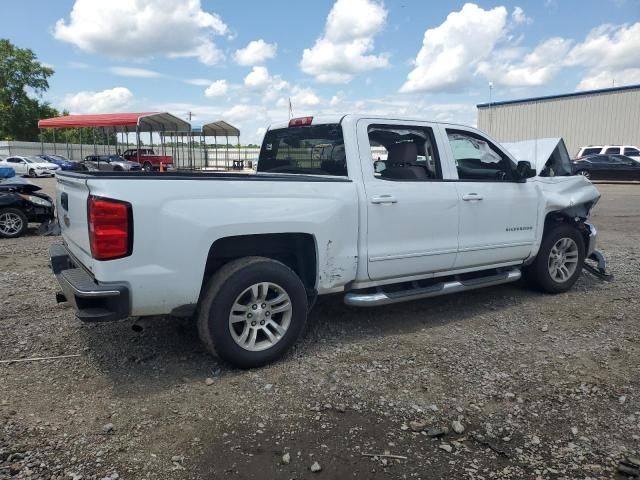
147,158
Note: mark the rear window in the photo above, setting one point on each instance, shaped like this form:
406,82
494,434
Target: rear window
313,149
631,151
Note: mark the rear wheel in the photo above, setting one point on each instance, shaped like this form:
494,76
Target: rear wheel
253,310
147,167
13,223
559,261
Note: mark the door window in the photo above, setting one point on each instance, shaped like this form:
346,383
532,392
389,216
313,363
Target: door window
612,150
404,153
591,151
634,152
478,160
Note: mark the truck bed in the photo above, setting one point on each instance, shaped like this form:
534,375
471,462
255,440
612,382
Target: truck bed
188,175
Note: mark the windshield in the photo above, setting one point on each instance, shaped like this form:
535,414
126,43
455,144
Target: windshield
313,149
59,157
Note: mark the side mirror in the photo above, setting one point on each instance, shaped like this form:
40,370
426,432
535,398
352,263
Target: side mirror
379,166
524,170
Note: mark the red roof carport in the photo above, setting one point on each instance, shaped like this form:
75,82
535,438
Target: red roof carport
142,121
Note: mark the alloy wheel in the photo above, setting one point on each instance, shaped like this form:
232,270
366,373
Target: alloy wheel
563,260
10,224
260,316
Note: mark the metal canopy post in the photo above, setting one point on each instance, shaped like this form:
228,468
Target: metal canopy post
81,157
55,147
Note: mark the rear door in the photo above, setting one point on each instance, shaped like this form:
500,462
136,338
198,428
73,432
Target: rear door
18,164
498,215
412,211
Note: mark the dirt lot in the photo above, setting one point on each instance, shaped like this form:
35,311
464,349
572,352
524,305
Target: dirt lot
542,386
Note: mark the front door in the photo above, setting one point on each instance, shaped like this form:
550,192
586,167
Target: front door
498,214
412,214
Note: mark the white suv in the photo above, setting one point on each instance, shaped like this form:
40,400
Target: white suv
626,150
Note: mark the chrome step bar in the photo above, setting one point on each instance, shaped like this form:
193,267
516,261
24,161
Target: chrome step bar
373,299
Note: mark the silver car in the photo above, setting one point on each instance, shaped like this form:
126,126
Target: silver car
111,163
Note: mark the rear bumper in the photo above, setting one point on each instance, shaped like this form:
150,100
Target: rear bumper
92,300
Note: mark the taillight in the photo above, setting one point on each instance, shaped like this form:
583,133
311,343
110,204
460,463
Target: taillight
110,228
300,122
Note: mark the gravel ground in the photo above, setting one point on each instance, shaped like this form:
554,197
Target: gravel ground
495,383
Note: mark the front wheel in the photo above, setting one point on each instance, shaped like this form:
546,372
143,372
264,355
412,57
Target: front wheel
559,261
32,173
585,173
13,223
253,310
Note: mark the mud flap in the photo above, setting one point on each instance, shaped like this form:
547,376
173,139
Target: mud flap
600,269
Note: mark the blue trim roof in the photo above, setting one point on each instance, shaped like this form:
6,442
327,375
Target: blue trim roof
564,95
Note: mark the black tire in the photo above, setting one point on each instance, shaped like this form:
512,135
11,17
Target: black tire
32,173
147,167
23,219
222,291
537,274
118,169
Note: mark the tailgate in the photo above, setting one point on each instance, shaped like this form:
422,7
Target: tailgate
71,204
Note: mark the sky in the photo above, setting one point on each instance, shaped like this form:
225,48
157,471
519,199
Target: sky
242,61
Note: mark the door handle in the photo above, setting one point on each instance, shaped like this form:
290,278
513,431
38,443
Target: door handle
468,197
379,199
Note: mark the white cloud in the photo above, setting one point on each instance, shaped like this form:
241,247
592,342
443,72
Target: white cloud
519,17
200,82
258,78
604,79
134,72
255,53
609,46
218,88
260,134
345,48
240,112
451,51
535,69
143,28
111,100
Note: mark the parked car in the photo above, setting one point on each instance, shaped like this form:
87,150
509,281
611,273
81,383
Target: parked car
20,204
627,150
607,167
147,158
31,166
112,163
63,162
450,211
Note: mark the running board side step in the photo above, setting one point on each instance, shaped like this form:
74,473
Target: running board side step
374,299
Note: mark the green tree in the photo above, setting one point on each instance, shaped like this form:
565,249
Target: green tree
21,75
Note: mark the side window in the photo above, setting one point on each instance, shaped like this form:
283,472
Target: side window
634,152
612,151
404,153
590,151
13,160
476,159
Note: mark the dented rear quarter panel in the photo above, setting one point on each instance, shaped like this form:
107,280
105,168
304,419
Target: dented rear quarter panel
172,238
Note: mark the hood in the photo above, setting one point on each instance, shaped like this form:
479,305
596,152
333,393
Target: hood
548,156
18,184
46,165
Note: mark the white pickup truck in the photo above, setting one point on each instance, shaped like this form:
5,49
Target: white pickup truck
442,209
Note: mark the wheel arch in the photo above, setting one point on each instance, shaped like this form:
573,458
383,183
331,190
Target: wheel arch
296,250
